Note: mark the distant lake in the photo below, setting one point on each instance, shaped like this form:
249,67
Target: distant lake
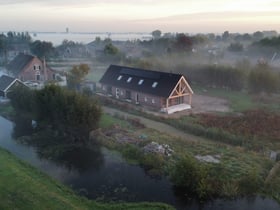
56,38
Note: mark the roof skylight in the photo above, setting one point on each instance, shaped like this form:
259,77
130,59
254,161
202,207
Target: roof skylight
154,84
129,79
140,82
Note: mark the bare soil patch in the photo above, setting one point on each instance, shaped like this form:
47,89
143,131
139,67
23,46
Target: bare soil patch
202,104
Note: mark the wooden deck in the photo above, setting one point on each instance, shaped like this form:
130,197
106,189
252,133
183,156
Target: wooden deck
176,108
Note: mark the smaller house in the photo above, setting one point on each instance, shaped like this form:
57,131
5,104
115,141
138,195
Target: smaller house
30,68
7,84
166,92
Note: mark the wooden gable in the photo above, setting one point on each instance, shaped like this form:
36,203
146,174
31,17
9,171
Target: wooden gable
182,88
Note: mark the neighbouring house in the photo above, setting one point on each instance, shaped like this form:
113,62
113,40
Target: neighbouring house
7,84
167,92
30,68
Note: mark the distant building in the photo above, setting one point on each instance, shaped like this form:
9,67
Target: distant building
30,68
167,92
34,72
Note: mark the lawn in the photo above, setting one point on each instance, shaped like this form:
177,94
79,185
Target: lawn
240,100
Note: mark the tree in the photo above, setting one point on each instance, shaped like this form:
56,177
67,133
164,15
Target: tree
76,75
225,36
110,49
156,34
190,176
71,114
258,35
68,112
22,99
235,47
263,79
183,43
42,48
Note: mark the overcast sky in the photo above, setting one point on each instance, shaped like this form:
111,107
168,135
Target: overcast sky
193,16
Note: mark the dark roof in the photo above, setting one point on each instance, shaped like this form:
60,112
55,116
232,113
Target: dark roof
163,82
5,81
19,62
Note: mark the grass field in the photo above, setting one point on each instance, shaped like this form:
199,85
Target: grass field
24,187
242,101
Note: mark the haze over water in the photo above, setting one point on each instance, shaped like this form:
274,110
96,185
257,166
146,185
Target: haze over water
192,16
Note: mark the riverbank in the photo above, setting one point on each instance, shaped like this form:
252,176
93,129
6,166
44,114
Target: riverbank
24,187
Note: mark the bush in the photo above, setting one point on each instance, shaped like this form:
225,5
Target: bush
189,175
251,183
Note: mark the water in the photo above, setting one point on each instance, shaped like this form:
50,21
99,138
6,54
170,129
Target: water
85,38
105,175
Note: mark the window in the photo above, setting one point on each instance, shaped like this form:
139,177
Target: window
36,67
153,101
120,77
140,82
155,84
129,79
145,99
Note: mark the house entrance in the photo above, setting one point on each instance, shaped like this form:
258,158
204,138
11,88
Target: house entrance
137,98
109,90
127,94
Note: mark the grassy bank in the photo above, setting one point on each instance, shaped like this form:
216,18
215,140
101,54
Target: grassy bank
24,187
240,171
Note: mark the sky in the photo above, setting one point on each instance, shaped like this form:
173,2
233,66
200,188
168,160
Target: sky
184,16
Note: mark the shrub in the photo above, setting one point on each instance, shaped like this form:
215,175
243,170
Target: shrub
251,183
189,175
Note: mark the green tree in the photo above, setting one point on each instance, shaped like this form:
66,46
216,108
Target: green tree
187,174
235,47
68,112
42,49
22,99
110,49
263,79
183,43
77,75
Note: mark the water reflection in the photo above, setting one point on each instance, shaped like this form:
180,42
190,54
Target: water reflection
50,146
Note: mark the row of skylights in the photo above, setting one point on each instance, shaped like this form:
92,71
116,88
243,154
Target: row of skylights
140,82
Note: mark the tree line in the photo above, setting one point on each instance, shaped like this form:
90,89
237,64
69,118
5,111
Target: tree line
257,79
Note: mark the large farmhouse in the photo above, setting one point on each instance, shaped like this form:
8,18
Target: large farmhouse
30,68
167,92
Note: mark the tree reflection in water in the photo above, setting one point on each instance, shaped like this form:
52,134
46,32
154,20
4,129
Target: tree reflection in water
55,147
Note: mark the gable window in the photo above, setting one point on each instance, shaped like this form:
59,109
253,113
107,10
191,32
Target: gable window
140,82
154,84
119,78
129,79
36,67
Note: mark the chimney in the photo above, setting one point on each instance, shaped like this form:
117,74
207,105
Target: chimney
45,69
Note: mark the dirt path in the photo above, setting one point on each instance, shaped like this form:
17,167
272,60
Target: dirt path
156,125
